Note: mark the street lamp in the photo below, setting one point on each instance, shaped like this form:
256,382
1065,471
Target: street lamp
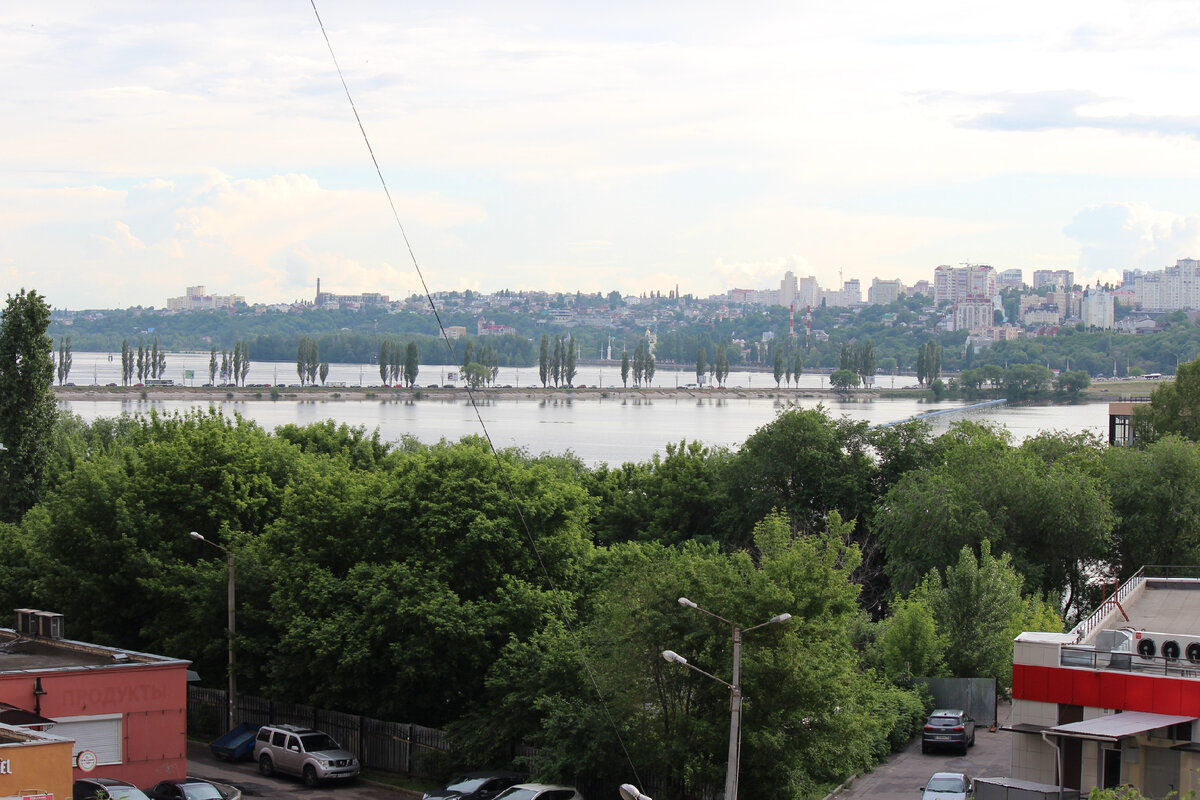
735,689
232,627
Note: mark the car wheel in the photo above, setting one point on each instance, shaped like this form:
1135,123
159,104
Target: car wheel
265,767
925,749
972,742
310,776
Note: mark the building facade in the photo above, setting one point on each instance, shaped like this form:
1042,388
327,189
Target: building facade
127,709
34,764
1062,278
1116,700
968,282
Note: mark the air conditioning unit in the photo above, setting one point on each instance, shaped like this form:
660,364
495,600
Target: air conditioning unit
1174,647
27,624
50,625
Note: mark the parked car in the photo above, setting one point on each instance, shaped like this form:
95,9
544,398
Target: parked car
947,786
311,755
184,789
105,789
539,791
476,786
947,727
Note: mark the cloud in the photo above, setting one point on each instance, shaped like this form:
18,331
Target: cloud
1116,236
1062,110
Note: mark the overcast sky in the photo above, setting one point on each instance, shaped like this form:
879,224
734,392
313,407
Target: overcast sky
146,147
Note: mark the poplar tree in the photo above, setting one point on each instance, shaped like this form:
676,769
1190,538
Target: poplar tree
569,371
544,361
411,364
385,360
701,364
64,359
27,409
625,369
212,365
126,362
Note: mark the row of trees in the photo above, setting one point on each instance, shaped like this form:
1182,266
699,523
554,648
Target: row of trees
398,364
233,367
144,362
718,370
557,362
642,367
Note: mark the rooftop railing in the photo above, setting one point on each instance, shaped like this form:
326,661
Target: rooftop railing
1110,604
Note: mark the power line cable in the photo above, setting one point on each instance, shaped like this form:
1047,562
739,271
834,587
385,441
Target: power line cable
554,592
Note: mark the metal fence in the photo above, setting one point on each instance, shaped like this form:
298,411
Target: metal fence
976,696
380,744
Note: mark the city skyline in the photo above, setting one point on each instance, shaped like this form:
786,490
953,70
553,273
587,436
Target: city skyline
535,146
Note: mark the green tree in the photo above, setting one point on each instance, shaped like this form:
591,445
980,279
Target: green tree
778,369
64,359
980,601
544,360
1174,407
245,361
475,374
411,364
843,379
126,363
323,371
212,364
569,367
701,365
910,643
797,367
1155,493
27,409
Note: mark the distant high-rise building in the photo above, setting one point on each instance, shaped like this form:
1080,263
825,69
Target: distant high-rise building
1062,278
1011,279
1097,310
968,282
197,298
849,295
883,293
787,289
1171,289
974,315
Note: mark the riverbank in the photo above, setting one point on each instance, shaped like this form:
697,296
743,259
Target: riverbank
376,393
1099,392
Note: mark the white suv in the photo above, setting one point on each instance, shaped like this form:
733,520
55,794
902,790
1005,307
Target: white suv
308,754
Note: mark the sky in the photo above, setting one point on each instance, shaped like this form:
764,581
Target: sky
637,147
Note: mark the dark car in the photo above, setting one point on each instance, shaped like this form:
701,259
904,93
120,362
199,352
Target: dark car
948,728
476,786
105,789
184,789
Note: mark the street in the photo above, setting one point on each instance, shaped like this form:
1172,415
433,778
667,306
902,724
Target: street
906,772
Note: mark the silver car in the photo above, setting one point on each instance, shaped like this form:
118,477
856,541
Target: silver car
311,755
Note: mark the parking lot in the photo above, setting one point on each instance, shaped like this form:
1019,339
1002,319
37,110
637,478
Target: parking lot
906,772
244,776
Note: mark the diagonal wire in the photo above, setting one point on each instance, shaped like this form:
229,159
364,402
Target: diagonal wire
503,473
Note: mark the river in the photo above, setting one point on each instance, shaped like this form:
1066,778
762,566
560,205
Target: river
599,430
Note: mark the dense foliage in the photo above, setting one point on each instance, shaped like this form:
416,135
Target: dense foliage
521,600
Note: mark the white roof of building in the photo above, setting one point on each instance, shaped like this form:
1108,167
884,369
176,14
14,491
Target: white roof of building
1117,726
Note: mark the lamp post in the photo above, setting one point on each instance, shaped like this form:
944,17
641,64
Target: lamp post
735,689
232,627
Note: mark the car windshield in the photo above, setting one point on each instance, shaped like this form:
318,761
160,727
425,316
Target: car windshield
125,793
465,784
946,785
200,791
517,793
316,742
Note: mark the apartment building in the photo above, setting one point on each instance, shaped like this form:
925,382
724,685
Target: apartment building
1062,278
968,282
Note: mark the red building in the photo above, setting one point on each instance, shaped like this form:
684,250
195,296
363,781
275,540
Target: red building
1116,700
129,709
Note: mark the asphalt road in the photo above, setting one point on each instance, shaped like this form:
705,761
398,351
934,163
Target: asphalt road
244,776
903,775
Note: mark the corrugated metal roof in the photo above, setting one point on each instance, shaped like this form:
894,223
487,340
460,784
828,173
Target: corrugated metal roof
1117,726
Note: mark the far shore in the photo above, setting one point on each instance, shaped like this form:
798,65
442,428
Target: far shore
1106,391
